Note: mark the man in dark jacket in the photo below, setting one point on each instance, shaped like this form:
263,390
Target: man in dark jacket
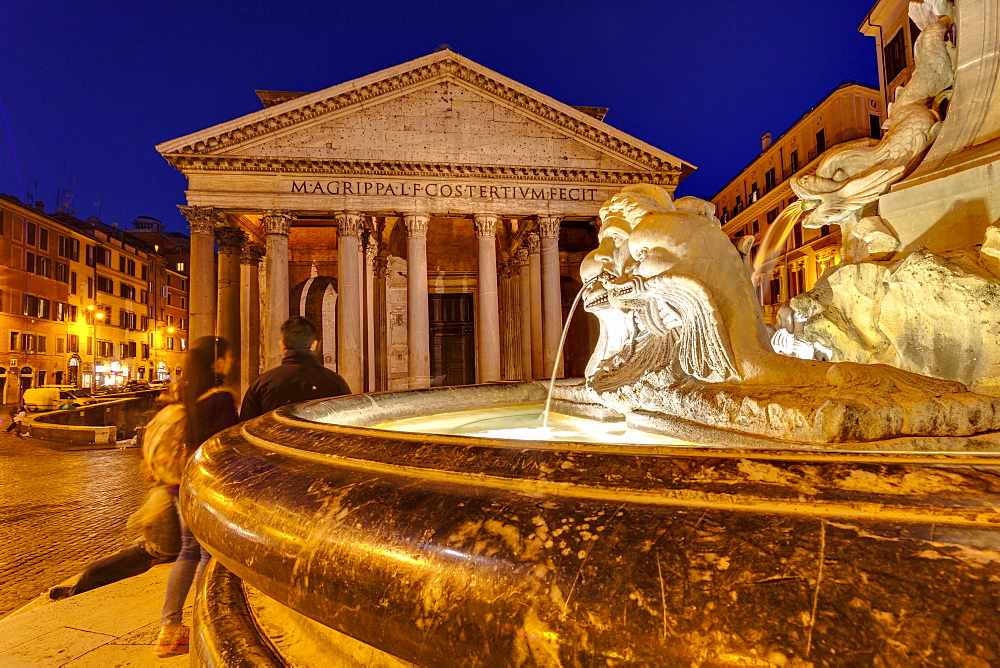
299,377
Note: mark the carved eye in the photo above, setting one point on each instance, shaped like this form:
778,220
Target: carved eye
640,254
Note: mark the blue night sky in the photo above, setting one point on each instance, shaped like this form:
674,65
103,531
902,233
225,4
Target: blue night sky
88,89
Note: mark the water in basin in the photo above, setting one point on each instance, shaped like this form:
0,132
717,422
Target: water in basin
524,423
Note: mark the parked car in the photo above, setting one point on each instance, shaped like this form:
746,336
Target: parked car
158,384
50,397
135,385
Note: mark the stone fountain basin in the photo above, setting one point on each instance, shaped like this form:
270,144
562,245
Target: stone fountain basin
457,550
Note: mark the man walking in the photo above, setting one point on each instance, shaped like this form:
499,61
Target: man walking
299,377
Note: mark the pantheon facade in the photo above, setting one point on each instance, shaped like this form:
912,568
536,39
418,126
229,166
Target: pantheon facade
429,218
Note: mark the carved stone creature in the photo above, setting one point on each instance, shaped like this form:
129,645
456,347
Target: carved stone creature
855,173
682,335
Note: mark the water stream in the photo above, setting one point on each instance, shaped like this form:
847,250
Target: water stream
559,351
775,237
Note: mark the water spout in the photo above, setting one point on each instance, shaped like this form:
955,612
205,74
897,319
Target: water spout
775,237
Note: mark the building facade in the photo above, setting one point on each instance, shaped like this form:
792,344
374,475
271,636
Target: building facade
430,218
77,302
787,258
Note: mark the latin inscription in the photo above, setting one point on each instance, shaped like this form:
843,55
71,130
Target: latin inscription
406,189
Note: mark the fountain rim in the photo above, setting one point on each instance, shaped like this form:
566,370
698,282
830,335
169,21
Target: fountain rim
761,449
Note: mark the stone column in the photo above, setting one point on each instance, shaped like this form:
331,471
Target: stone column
487,302
511,319
371,253
250,308
417,317
535,300
524,299
350,341
202,287
552,323
277,225
230,240
381,349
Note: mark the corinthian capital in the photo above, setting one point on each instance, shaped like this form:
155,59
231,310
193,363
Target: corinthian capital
252,253
277,221
534,245
486,224
230,239
548,226
521,256
416,224
201,219
349,223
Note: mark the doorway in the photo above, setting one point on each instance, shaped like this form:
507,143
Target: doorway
453,340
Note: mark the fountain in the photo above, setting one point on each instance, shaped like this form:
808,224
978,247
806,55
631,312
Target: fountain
698,500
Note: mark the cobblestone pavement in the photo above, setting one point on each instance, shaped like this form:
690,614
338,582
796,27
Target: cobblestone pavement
60,507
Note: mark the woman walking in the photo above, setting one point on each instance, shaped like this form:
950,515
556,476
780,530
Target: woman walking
208,409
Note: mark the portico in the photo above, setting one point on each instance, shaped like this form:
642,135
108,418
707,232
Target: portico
427,217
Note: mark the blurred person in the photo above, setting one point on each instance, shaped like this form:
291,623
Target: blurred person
299,377
207,408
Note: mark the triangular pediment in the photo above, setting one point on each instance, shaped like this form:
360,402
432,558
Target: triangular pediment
439,109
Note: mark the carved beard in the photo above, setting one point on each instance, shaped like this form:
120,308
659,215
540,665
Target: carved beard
628,349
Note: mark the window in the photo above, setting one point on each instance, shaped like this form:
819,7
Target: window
127,291
121,263
105,349
183,344
797,235
144,271
29,262
43,239
725,214
130,267
105,284
28,342
825,230
755,227
90,288
69,248
90,345
32,230
60,345
73,343
754,193
775,291
894,56
183,285
874,126
770,180
41,344
62,272
72,282
180,266
170,321
90,256
183,323
102,256
793,160
820,141
169,299
143,297
145,351
771,215
144,323
170,343
126,320
14,336
41,378
182,303
43,266
738,206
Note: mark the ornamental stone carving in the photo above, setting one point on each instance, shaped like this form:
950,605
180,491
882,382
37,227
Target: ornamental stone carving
548,226
683,337
854,174
534,244
349,223
201,219
251,254
230,239
486,224
521,256
277,221
416,224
